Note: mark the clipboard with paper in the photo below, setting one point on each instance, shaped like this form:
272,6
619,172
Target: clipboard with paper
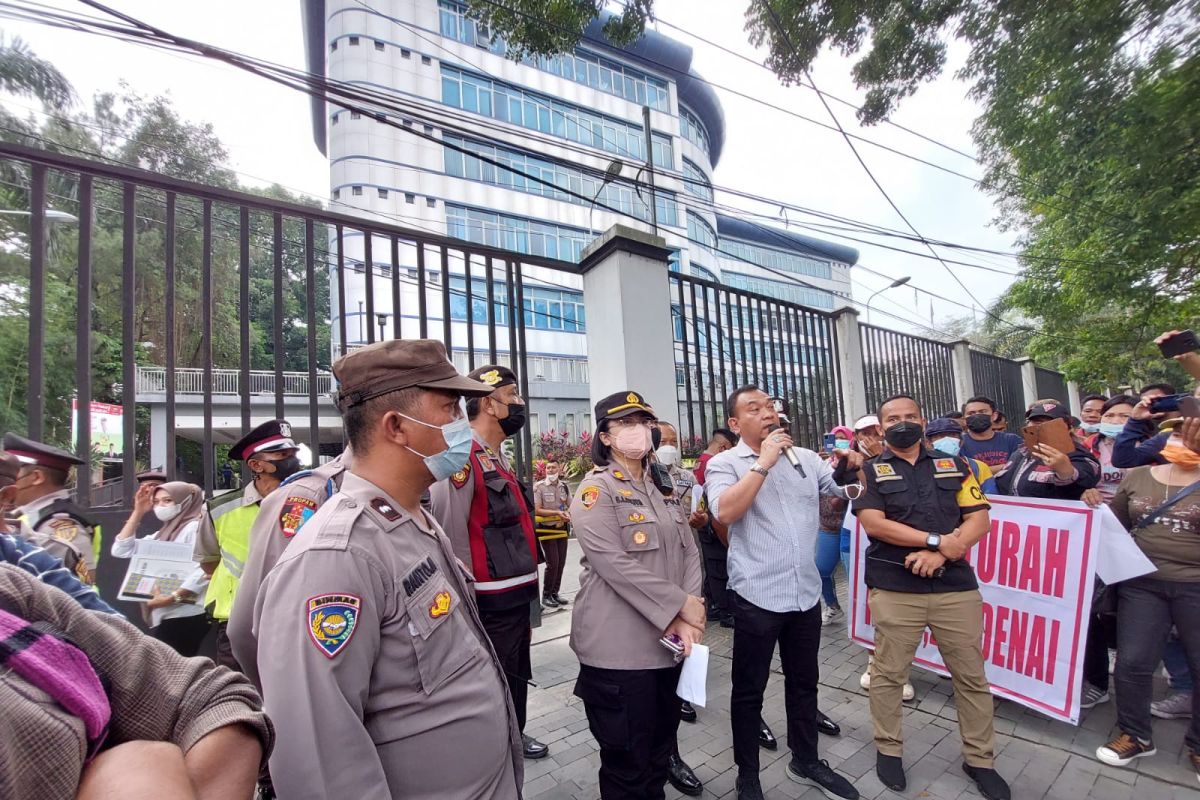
161,565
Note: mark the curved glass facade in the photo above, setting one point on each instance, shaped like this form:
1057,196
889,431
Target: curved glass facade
692,129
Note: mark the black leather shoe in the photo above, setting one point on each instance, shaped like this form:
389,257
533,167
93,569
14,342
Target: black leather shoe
827,726
749,788
532,748
549,601
989,782
890,770
682,778
766,739
562,601
727,621
687,713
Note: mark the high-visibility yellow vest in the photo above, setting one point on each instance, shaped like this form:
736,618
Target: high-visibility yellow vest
231,522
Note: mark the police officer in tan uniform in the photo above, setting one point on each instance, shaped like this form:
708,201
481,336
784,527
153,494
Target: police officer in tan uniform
641,581
59,526
551,498
381,680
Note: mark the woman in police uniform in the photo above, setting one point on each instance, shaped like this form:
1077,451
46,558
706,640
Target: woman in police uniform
640,582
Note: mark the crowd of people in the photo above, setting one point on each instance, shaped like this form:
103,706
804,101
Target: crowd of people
380,604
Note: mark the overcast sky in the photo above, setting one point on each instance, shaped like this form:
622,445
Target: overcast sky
767,152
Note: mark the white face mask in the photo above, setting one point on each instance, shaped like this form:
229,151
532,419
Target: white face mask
552,478
167,513
668,455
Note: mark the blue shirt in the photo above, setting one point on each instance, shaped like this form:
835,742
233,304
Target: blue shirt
50,570
772,548
995,452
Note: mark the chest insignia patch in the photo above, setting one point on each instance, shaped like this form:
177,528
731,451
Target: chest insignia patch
460,478
385,508
441,605
945,465
332,619
419,574
637,516
618,474
640,538
589,496
296,512
884,470
625,492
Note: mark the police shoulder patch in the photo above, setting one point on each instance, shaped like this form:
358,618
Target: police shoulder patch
296,511
332,619
616,473
385,508
459,479
589,496
884,470
65,529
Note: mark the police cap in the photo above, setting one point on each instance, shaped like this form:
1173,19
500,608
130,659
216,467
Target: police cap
396,364
266,438
30,452
942,426
622,404
494,375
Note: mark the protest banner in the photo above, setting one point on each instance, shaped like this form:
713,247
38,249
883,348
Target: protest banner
1036,570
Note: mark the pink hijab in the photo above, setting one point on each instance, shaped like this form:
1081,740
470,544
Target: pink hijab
847,432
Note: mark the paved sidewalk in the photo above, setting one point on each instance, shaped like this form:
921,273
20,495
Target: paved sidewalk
1040,758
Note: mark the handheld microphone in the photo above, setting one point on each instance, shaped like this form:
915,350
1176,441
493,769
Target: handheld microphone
790,452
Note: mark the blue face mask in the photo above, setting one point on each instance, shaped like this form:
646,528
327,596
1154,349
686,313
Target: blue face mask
841,444
458,448
1111,429
1090,427
948,445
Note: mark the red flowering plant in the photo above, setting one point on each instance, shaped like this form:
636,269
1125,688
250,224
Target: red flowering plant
575,457
691,448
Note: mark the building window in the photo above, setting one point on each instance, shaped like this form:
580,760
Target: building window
554,181
581,66
430,202
700,232
383,193
552,424
354,41
337,193
693,130
405,53
776,259
334,119
407,123
379,45
695,182
537,112
333,45
410,198
568,425
429,129
426,60
355,115
356,190
516,233
780,290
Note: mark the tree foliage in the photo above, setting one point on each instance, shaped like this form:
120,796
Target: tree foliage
548,27
149,133
1090,136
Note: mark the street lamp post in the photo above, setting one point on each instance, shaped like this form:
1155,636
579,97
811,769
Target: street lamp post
892,285
610,172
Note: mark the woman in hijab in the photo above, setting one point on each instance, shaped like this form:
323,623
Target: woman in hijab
176,617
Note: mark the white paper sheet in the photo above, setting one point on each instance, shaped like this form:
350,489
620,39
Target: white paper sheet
165,565
1118,557
697,496
694,677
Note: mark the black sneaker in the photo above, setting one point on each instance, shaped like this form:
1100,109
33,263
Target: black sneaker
687,712
989,782
748,788
818,774
890,770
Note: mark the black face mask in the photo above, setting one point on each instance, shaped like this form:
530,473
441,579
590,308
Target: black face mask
285,467
904,435
655,437
515,419
978,423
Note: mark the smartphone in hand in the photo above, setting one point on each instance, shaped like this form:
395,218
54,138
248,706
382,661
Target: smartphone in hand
1180,343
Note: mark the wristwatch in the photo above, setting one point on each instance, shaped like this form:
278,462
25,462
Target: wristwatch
933,541
760,469
176,598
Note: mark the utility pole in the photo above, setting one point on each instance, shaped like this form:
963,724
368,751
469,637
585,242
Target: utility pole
650,168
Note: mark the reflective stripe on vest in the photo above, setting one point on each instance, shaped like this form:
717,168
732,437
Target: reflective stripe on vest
507,583
233,536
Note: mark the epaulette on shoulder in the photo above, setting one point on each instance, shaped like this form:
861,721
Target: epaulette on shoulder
304,473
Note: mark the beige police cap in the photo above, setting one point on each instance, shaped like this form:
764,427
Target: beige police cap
399,364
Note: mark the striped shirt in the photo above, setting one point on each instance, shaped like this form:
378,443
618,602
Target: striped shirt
772,548
50,570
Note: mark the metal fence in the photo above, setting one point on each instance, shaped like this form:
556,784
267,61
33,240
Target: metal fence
1000,379
163,286
726,338
897,363
1051,384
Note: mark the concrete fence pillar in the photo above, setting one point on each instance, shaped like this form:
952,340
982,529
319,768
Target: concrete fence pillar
964,377
1073,395
1028,380
627,299
850,364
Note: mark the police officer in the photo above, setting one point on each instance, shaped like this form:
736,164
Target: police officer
640,582
923,510
483,510
381,680
270,453
152,478
551,498
44,504
281,514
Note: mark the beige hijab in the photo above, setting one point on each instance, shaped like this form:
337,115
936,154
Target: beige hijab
190,498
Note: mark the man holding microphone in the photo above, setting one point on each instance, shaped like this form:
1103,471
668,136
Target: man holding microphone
766,492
